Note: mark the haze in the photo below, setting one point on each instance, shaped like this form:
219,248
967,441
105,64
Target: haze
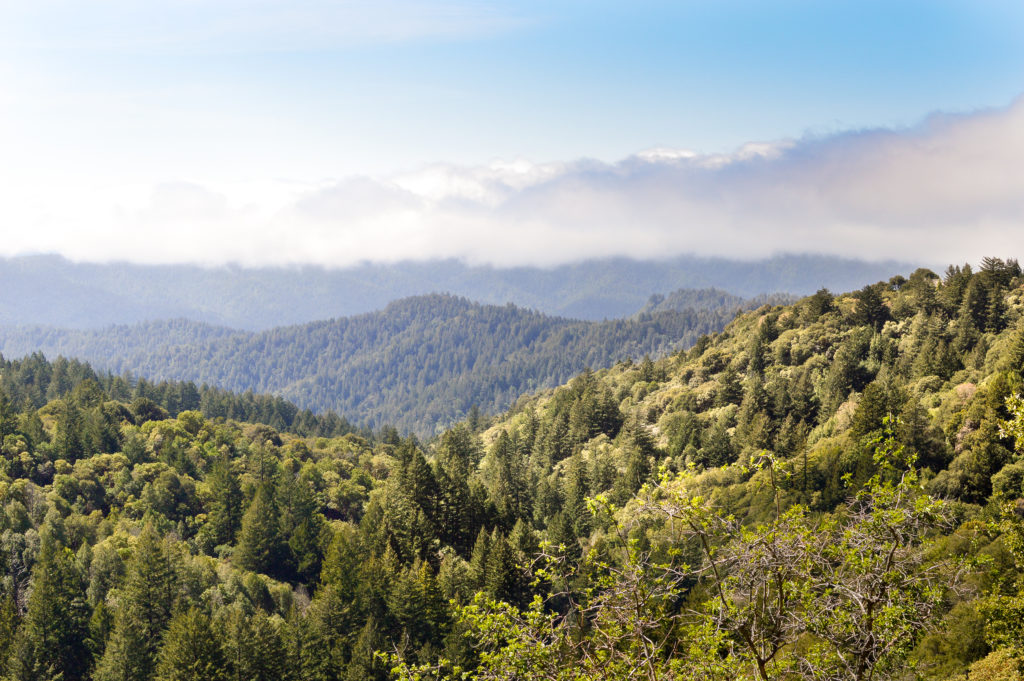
515,133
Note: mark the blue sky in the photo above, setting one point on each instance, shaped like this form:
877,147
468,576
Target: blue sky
124,119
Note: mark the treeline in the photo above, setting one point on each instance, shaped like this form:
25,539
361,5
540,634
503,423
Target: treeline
829,489
419,365
32,382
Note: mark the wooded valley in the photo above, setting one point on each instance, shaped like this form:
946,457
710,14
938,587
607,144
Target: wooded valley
420,364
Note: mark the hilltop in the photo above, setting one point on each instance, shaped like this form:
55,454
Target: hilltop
420,364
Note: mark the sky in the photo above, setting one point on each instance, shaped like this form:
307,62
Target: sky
271,132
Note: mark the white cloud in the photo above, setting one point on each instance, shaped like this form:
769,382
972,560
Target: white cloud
951,189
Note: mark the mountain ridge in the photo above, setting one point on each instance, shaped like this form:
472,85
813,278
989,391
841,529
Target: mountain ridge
50,290
418,364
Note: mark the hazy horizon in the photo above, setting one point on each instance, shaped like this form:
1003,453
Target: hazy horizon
510,134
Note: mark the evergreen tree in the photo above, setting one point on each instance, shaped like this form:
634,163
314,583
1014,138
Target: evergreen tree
502,580
260,545
478,559
303,524
819,304
575,489
147,602
224,515
509,486
191,650
53,640
871,310
730,390
252,647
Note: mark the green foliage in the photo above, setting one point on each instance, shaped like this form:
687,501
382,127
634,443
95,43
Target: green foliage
53,639
191,650
261,546
419,364
762,507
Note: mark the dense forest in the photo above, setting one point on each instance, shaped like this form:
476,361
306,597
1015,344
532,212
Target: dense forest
53,291
420,364
825,490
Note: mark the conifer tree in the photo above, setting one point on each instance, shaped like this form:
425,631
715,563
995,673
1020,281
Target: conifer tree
252,647
191,650
870,310
303,524
364,665
260,545
224,516
478,559
575,490
502,579
53,640
509,485
147,602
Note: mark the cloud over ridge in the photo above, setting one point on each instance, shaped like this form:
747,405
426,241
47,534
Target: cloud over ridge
949,189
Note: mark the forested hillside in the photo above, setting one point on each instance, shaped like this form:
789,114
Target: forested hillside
56,292
419,364
827,490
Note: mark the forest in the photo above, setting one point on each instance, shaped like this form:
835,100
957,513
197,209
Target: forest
420,364
829,489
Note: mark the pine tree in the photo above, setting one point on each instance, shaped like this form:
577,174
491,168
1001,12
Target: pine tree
502,579
224,516
575,489
508,482
253,646
478,559
303,524
53,641
260,545
127,654
147,602
364,665
191,650
870,310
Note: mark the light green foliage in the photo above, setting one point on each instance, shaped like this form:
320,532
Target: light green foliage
761,507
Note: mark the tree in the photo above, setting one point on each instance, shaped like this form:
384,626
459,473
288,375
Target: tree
191,650
820,303
871,310
147,602
224,514
795,597
253,646
260,545
53,641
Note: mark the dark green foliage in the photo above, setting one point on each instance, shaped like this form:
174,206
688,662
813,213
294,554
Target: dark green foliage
261,546
191,650
419,364
871,310
224,513
53,639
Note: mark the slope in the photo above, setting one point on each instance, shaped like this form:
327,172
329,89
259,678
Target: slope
419,364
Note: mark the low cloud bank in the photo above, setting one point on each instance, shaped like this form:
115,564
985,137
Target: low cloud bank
950,189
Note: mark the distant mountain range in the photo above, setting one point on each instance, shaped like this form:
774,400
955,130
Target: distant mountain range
50,290
419,364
